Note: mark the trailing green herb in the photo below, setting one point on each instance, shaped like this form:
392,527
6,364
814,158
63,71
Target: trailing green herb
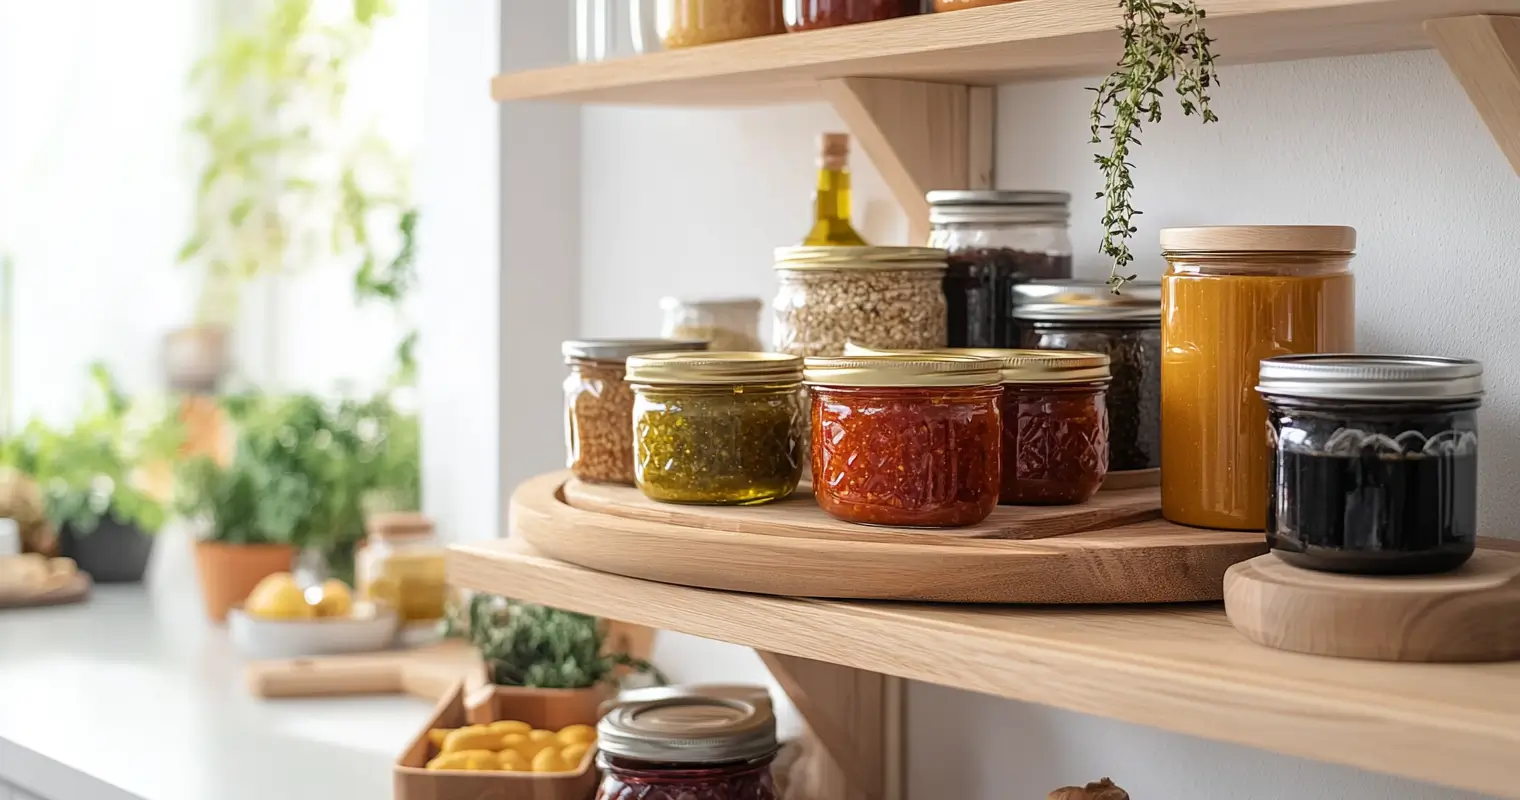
545,648
1163,41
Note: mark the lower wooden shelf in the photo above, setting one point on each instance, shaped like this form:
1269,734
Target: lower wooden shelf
1179,668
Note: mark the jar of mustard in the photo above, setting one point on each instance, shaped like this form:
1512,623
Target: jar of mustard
1231,297
402,567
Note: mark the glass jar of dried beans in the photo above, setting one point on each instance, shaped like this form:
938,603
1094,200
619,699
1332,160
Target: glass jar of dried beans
996,241
599,405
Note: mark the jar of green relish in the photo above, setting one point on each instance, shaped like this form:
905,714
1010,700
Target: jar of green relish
720,428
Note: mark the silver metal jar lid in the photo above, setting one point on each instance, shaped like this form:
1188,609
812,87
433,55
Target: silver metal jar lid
1375,378
949,206
688,730
1067,300
623,349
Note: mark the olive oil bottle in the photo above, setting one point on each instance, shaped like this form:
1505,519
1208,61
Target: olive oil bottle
831,203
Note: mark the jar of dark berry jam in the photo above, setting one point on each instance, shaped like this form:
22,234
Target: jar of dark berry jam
996,240
687,748
1373,466
909,440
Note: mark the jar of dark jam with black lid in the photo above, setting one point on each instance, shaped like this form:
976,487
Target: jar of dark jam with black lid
1374,461
1126,327
687,747
996,240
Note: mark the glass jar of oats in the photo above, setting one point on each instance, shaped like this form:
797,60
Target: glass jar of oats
888,298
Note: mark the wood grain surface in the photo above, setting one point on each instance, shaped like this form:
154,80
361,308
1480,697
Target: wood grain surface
1472,614
856,724
793,548
1484,53
76,590
429,673
1179,668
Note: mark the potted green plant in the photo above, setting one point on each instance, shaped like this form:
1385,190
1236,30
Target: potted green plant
91,478
555,661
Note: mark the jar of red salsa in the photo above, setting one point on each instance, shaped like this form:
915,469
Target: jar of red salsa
906,440
687,748
1055,425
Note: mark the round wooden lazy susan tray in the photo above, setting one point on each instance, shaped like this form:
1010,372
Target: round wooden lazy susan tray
1114,549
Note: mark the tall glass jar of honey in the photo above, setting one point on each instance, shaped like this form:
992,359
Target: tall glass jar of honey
1231,297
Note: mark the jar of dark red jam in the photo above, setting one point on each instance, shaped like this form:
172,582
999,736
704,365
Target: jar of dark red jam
1373,464
906,440
687,748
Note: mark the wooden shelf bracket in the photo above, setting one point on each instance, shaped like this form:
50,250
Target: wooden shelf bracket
921,136
1483,51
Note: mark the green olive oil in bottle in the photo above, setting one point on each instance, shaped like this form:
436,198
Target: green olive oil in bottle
831,204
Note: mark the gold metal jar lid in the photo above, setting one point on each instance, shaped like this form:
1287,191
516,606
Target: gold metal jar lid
1014,366
714,368
1260,239
870,258
902,369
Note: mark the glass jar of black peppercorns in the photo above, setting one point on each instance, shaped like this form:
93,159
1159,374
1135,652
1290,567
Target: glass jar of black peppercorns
997,240
1126,327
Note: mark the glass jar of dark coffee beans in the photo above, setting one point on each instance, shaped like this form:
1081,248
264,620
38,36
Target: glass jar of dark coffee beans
1086,315
996,241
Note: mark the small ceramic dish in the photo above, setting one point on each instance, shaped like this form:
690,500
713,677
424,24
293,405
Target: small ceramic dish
367,629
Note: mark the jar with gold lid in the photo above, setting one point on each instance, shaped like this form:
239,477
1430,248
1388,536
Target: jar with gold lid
402,567
883,297
720,428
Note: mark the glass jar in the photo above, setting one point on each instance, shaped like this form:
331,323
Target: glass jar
880,297
957,5
717,428
1126,327
996,240
728,324
906,440
806,15
591,30
688,23
1373,463
401,567
599,405
687,748
1231,297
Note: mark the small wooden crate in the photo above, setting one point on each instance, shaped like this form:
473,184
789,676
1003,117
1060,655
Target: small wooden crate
413,782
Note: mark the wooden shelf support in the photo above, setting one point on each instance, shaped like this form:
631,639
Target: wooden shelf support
1483,51
921,136
855,718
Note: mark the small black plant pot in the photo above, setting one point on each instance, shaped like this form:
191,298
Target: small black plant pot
113,553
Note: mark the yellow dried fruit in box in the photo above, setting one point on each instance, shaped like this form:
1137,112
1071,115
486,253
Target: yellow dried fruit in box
507,726
541,735
576,734
337,600
548,760
459,760
437,735
474,737
483,761
512,761
514,741
573,754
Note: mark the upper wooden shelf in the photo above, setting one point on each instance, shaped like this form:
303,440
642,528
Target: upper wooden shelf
1030,39
1181,668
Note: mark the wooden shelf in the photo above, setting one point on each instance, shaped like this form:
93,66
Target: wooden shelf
1179,668
1031,39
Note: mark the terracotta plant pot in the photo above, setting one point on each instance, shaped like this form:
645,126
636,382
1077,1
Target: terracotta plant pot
546,708
230,571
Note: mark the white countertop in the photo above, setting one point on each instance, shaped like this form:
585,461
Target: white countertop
134,696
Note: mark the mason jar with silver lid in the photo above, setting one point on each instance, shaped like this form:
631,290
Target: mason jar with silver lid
996,240
1088,316
1373,466
690,746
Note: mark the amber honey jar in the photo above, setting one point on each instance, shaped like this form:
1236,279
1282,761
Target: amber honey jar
1231,297
806,15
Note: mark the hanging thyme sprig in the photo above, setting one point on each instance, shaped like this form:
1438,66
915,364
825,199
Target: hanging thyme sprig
1155,51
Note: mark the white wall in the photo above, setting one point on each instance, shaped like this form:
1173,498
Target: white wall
692,202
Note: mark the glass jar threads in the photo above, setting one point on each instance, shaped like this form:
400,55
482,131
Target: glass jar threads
996,240
1126,327
726,324
1231,297
906,440
1374,461
880,297
716,428
687,747
599,405
688,23
806,15
1055,425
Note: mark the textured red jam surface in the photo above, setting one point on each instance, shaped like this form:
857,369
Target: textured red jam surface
627,779
916,457
1055,443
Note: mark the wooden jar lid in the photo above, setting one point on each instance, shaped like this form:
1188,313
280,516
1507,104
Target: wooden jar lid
1260,238
399,525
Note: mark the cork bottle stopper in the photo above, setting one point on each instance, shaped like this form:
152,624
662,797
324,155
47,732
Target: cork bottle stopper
833,150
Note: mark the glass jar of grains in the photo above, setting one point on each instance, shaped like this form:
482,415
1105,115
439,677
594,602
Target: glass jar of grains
725,324
1126,327
687,747
717,428
880,297
599,405
688,23
402,567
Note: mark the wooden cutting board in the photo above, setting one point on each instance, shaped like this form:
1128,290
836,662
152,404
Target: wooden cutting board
75,591
429,673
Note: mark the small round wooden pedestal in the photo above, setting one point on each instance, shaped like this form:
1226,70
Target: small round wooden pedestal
1472,614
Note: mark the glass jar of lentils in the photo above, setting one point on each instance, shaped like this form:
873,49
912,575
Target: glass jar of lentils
879,297
599,405
996,241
